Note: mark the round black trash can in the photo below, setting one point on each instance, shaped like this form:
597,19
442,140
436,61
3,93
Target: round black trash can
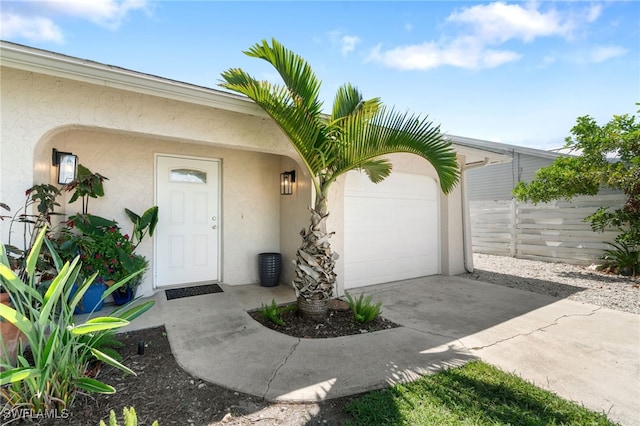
269,266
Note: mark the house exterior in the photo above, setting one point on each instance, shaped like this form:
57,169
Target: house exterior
212,161
497,182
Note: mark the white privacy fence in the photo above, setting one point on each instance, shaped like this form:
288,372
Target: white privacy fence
548,231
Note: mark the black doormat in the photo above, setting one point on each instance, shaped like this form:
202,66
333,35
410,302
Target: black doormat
177,293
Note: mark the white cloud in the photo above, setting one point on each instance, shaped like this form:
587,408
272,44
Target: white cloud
594,12
500,22
36,28
604,53
347,43
463,53
480,30
36,20
106,13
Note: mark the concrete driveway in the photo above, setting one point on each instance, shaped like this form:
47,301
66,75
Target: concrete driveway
582,352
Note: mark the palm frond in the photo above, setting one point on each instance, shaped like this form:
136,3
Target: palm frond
296,73
356,135
377,169
389,132
349,100
303,130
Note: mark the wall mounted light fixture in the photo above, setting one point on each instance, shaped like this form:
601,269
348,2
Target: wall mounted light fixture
67,164
286,182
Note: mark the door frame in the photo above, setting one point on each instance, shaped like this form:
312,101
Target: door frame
219,213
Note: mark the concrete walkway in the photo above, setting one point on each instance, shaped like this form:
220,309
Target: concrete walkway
582,352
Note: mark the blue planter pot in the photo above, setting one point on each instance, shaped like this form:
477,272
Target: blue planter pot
91,300
123,296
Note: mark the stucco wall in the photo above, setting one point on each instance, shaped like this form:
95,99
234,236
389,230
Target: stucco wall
452,232
35,107
116,133
250,207
294,216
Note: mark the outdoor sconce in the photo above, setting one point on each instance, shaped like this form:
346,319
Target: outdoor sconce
286,182
67,164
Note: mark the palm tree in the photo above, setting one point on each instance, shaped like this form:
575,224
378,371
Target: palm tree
354,136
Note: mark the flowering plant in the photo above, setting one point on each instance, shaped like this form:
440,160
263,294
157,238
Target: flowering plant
103,249
108,254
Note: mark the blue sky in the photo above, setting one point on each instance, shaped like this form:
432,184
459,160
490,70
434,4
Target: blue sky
512,72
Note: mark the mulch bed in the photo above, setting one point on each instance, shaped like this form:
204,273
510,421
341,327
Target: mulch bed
162,391
339,322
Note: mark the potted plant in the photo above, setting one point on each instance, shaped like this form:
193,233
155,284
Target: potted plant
11,335
104,250
127,292
142,225
101,245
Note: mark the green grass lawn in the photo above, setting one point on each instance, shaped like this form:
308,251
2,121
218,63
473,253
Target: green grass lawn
474,394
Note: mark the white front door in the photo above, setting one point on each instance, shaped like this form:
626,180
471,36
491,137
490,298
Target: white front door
187,194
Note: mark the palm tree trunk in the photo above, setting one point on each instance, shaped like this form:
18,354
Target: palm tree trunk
315,262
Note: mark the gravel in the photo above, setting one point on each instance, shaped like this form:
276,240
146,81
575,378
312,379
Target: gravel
573,282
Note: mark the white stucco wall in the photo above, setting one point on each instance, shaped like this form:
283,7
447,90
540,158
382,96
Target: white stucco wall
294,216
452,231
250,210
116,133
35,107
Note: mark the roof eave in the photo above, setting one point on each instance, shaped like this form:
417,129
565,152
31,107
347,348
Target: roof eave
501,148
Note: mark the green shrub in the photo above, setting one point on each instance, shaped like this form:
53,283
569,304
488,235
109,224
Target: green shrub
623,258
128,414
363,310
271,312
61,349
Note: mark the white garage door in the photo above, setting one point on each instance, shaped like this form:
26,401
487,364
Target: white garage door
391,229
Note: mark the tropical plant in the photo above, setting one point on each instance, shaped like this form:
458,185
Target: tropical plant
102,247
363,310
61,350
86,185
142,224
99,242
622,258
606,156
103,250
355,136
128,415
271,312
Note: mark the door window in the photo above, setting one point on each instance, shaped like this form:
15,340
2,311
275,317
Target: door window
187,176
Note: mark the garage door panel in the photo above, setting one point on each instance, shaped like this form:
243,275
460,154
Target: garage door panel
358,273
391,229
